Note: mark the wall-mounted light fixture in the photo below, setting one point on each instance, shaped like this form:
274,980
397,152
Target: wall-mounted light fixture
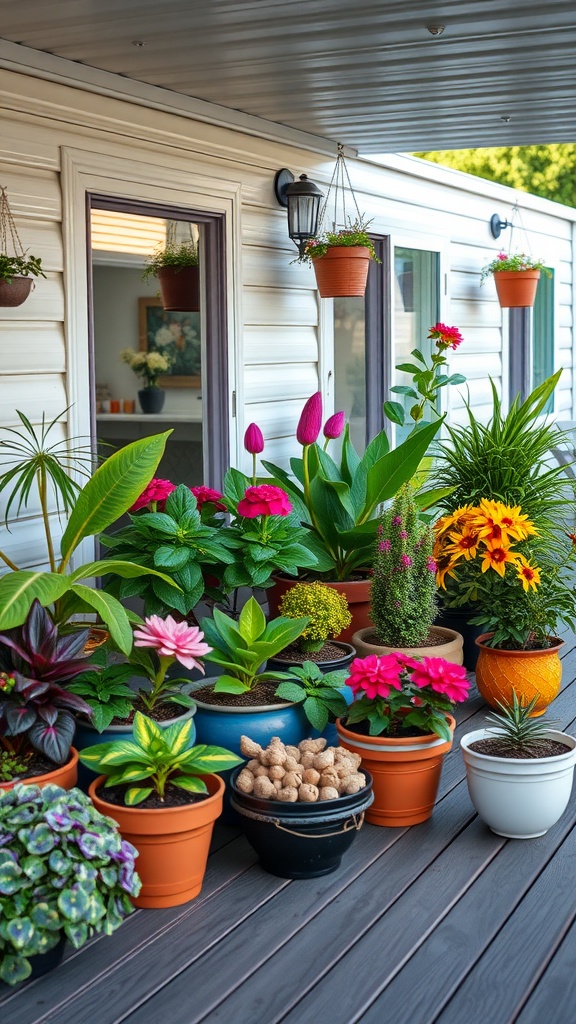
302,199
497,225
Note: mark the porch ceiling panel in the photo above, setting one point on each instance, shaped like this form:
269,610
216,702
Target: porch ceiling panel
363,72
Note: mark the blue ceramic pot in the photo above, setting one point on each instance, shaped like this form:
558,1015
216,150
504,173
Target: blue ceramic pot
87,736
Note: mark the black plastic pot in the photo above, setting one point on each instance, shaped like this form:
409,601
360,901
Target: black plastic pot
301,840
151,399
284,664
457,618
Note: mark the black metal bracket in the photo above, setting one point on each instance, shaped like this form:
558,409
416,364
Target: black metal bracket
497,225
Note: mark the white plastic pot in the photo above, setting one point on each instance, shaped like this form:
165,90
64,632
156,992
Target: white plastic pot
519,798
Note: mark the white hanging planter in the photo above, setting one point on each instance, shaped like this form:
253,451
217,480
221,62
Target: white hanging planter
520,798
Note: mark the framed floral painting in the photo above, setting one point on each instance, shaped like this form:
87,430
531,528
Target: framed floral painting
176,335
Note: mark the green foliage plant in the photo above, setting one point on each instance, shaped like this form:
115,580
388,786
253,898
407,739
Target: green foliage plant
356,234
155,758
174,254
242,647
325,607
518,733
516,262
320,694
64,871
107,494
19,266
105,689
403,585
428,378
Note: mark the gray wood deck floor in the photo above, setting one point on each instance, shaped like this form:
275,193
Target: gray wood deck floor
441,923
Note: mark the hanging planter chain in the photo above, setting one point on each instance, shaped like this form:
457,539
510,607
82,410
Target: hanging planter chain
338,182
8,230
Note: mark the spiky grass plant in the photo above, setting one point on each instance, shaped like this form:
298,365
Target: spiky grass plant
517,731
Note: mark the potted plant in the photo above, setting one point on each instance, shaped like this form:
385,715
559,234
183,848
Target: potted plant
36,711
400,724
329,615
176,267
65,875
110,490
519,771
165,799
507,458
158,644
341,260
300,807
516,278
149,366
16,271
403,589
520,592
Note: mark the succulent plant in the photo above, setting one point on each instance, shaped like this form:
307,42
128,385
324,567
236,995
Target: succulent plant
516,730
64,869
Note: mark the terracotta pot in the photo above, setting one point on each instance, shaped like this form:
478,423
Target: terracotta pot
451,650
17,292
356,592
529,673
173,843
516,288
342,271
405,773
180,289
66,775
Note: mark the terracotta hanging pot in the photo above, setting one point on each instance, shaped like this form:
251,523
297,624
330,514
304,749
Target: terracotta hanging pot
405,773
356,592
342,271
15,293
530,674
173,843
516,288
450,647
64,775
179,288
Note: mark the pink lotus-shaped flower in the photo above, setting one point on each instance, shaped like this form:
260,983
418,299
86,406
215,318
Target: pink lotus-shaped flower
310,422
173,640
154,495
253,439
264,500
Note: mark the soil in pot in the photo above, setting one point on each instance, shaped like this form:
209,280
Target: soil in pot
263,694
494,747
331,656
42,772
173,797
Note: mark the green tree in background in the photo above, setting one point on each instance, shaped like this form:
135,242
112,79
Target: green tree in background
547,171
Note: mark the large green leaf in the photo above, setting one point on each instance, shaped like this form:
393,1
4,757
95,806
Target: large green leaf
252,621
110,611
113,489
387,475
19,589
128,570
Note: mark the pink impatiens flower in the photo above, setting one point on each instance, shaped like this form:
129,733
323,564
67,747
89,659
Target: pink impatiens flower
154,495
376,675
204,494
264,500
442,677
446,337
173,640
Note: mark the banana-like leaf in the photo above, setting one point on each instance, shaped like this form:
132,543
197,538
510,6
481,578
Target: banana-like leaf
19,589
110,611
115,486
127,570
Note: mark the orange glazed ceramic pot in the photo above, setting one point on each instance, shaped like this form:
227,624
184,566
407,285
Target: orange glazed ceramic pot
516,288
529,673
66,775
173,843
342,271
356,592
405,773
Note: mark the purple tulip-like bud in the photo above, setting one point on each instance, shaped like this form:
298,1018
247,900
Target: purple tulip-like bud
310,422
253,439
334,426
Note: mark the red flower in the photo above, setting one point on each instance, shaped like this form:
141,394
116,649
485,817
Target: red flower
253,439
442,677
204,494
334,425
310,422
445,337
376,675
156,492
264,500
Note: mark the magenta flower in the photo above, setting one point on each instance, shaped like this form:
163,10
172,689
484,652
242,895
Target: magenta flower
310,422
334,425
384,545
397,521
442,677
173,640
204,494
253,439
264,500
375,675
446,337
154,495
405,561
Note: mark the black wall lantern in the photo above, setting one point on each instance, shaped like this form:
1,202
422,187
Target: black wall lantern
302,198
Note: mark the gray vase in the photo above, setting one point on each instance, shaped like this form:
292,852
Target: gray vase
151,399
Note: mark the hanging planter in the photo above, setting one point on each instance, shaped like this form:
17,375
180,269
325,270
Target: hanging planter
516,288
17,270
176,267
341,257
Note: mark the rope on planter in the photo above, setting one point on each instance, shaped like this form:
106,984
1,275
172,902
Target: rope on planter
355,822
8,230
338,182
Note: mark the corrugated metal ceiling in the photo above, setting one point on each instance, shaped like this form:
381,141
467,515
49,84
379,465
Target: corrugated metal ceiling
363,72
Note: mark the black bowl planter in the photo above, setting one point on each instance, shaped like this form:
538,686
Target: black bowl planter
282,661
301,840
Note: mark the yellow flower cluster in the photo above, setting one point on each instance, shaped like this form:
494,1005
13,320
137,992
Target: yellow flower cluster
327,609
487,531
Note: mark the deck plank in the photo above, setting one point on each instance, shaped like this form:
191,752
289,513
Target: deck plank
559,980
